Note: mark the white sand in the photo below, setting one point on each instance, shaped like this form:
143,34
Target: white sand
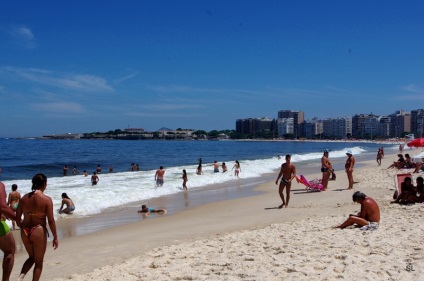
240,240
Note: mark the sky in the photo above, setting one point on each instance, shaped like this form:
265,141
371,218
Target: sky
94,66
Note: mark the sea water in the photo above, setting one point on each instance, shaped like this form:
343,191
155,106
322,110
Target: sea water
21,159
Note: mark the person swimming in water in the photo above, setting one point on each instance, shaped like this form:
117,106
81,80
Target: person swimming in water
147,211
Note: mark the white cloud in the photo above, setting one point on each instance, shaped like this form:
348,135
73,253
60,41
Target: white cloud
129,76
78,82
58,107
22,34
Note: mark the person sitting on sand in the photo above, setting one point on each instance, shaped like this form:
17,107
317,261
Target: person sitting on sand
147,211
417,195
406,190
399,163
368,217
70,207
409,162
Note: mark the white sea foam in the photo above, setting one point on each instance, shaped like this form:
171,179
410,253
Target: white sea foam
123,188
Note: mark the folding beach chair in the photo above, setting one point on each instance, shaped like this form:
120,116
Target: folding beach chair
399,178
313,185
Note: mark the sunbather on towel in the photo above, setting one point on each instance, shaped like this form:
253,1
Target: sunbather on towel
369,214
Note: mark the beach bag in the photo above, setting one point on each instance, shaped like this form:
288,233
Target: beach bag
333,176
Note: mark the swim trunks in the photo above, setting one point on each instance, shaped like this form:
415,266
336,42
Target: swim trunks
4,228
216,170
285,181
159,182
371,226
71,208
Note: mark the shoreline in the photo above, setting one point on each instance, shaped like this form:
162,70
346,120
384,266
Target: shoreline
206,221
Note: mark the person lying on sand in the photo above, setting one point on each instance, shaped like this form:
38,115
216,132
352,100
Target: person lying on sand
368,217
147,211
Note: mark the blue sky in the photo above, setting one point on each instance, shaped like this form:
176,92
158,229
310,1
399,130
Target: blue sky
85,66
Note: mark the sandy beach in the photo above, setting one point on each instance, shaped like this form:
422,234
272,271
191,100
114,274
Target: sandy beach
250,239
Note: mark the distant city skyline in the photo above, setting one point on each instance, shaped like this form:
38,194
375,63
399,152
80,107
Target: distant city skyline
74,67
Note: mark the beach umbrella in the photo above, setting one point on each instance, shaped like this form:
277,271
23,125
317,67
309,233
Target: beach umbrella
416,143
418,157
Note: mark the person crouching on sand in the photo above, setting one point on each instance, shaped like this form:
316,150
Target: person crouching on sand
368,217
70,207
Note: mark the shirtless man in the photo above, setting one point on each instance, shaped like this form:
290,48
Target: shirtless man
350,162
7,242
147,211
215,167
369,214
159,176
326,169
288,173
94,179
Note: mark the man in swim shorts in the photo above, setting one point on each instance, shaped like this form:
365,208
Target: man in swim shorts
159,176
94,179
7,242
215,166
288,173
369,216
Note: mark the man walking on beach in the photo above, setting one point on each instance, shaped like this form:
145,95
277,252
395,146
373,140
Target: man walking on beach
7,242
368,217
350,162
159,176
288,172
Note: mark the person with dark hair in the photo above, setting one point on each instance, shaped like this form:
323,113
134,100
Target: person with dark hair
350,163
7,242
406,190
287,174
326,169
236,168
185,179
368,217
99,169
159,176
36,208
94,179
70,207
13,201
147,211
224,167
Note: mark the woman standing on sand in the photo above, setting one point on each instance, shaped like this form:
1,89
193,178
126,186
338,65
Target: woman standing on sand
36,208
13,201
185,179
70,207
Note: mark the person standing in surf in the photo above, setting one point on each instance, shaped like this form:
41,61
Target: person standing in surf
287,174
185,179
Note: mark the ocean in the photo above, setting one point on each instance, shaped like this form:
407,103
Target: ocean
21,159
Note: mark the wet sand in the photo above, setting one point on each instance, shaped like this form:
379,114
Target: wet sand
178,245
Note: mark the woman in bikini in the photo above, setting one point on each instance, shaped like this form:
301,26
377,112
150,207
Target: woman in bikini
13,201
70,207
236,168
36,208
